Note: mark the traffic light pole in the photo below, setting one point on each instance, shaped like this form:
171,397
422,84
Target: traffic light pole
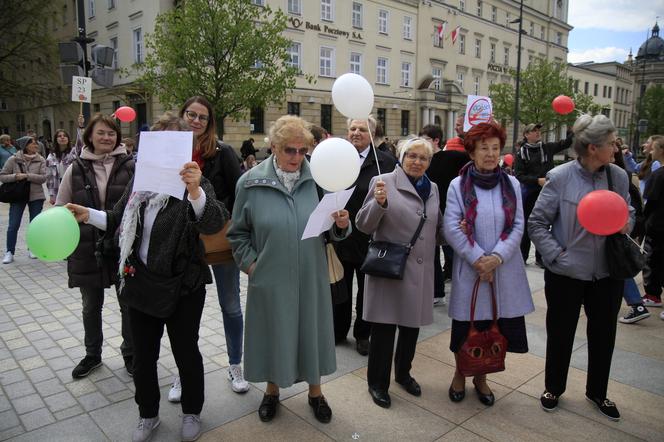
83,40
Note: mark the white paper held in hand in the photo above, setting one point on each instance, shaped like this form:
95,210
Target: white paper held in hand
321,219
161,156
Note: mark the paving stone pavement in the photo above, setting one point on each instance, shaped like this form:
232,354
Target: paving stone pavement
41,340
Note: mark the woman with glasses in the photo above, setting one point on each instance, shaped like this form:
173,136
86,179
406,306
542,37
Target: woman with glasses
220,165
392,211
289,333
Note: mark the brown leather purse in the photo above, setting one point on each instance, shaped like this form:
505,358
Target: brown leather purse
483,351
217,248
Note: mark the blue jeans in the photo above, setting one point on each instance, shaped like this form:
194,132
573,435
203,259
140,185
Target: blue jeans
631,293
15,216
227,278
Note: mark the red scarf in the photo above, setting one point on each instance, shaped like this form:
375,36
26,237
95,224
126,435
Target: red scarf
198,158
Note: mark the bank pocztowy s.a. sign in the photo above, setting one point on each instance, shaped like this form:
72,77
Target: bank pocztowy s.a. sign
297,24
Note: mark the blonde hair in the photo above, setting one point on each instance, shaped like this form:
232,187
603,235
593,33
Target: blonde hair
288,128
5,137
403,146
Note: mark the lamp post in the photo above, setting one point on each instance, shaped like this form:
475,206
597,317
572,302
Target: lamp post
518,76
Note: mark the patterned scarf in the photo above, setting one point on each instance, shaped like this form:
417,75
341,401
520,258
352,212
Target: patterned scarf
470,177
422,186
288,179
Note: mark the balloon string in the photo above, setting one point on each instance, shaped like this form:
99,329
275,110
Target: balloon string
336,203
374,151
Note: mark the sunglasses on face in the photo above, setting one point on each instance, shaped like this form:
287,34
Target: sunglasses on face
291,151
191,115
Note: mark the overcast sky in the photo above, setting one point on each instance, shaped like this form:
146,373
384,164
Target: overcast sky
606,30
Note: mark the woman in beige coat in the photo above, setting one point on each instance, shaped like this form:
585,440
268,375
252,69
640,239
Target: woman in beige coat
391,212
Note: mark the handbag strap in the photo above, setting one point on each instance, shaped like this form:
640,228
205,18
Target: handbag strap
473,302
419,227
608,177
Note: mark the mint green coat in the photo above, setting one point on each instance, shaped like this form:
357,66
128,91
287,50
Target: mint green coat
289,333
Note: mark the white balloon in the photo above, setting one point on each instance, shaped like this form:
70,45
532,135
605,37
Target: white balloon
266,140
335,164
353,96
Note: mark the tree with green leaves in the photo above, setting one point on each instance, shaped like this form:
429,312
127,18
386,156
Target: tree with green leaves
541,82
653,111
232,52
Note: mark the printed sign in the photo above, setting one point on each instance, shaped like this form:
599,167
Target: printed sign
478,110
81,89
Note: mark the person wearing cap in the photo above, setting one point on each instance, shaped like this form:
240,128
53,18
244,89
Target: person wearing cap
532,162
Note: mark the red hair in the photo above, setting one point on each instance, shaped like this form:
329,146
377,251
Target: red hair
482,132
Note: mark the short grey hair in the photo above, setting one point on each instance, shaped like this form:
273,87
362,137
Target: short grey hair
591,130
403,146
371,120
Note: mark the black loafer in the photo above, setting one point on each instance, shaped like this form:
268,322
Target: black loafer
380,397
362,346
606,407
411,386
322,411
268,407
486,399
456,396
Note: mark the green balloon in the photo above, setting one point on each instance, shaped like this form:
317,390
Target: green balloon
53,235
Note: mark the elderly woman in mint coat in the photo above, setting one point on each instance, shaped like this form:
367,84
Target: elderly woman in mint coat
484,223
289,334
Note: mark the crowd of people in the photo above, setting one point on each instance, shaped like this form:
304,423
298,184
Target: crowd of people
460,198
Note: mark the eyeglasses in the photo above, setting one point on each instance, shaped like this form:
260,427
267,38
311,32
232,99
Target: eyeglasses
291,151
191,115
413,157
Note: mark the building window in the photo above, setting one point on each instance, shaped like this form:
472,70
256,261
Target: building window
295,7
595,89
437,37
64,15
437,74
357,15
327,10
576,85
407,27
257,120
610,87
293,108
476,85
138,45
462,5
20,123
532,28
479,8
492,53
507,19
405,122
607,112
381,70
96,108
460,80
91,8
258,2
506,59
111,4
383,17
604,92
326,62
381,118
559,38
478,48
356,63
295,55
116,105
326,117
494,14
114,45
405,74
586,85
462,44
542,33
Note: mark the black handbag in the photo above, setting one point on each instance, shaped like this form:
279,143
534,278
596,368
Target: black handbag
152,294
387,259
624,256
15,192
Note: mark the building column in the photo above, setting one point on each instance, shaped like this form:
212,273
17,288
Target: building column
432,116
451,117
425,116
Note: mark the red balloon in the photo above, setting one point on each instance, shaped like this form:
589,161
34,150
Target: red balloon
562,104
508,159
125,114
602,212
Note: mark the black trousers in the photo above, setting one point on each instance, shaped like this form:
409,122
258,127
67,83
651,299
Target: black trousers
381,350
343,312
601,302
653,279
528,205
448,255
182,329
93,303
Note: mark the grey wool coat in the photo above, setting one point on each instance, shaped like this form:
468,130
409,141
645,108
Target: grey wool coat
511,284
289,334
407,302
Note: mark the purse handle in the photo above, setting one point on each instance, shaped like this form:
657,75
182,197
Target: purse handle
419,227
473,303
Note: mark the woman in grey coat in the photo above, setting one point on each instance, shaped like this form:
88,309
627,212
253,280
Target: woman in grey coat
391,212
576,266
484,224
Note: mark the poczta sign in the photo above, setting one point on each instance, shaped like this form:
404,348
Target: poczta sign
297,24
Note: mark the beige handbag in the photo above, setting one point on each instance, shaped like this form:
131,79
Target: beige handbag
217,248
335,269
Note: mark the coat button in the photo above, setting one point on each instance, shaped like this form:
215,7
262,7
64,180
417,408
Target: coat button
419,212
422,237
274,183
264,181
420,260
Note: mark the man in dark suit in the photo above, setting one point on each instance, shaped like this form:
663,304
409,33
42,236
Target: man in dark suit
353,249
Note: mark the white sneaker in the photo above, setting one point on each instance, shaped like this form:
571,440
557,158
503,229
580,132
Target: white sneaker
143,431
175,393
9,258
238,384
661,316
32,255
191,427
439,302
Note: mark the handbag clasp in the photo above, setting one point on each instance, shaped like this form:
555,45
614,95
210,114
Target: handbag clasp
382,253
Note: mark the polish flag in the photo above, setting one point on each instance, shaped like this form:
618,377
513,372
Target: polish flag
455,34
441,30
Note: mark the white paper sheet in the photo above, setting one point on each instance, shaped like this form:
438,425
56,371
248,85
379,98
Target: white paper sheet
161,156
321,219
